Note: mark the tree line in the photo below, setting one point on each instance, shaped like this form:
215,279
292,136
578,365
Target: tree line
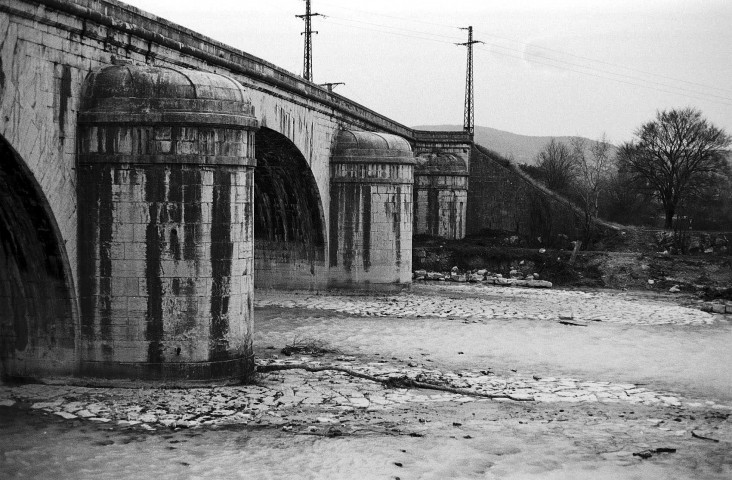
675,173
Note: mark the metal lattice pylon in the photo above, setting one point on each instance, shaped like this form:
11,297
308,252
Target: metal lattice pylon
469,120
307,70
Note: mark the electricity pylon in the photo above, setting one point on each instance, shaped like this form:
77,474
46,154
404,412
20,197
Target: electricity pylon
307,71
469,120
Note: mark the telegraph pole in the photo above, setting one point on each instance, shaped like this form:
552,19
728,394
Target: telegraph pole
330,86
469,120
307,71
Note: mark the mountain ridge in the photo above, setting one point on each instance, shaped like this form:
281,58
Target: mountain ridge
516,147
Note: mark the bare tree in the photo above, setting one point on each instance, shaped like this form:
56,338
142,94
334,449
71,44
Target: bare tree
676,154
592,164
556,166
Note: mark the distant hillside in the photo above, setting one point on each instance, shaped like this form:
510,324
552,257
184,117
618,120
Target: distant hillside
521,148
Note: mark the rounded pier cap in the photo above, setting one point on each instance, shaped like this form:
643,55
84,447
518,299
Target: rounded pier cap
129,94
370,147
440,164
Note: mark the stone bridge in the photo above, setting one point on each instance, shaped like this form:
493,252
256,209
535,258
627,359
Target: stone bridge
150,177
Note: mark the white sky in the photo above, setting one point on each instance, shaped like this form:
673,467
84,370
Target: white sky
559,67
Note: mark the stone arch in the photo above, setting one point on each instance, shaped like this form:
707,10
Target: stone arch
38,327
289,227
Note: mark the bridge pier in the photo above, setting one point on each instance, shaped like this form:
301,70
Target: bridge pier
440,195
372,177
165,182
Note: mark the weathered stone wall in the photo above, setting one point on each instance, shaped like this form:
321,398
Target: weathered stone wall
501,198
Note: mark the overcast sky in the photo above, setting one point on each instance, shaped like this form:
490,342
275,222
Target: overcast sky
560,67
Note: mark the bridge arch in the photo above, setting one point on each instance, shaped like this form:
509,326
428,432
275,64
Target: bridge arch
289,226
38,321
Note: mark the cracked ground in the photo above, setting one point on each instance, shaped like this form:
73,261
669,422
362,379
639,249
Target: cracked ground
593,385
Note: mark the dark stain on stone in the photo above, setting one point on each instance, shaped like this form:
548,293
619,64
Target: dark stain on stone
88,236
366,199
110,140
64,95
221,256
100,139
191,189
191,316
452,223
174,244
433,211
351,222
106,216
154,189
175,194
334,217
397,226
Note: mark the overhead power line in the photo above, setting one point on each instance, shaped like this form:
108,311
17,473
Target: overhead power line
389,32
561,64
687,88
612,64
396,17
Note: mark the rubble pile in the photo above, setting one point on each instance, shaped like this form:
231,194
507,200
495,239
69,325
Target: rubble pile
515,278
